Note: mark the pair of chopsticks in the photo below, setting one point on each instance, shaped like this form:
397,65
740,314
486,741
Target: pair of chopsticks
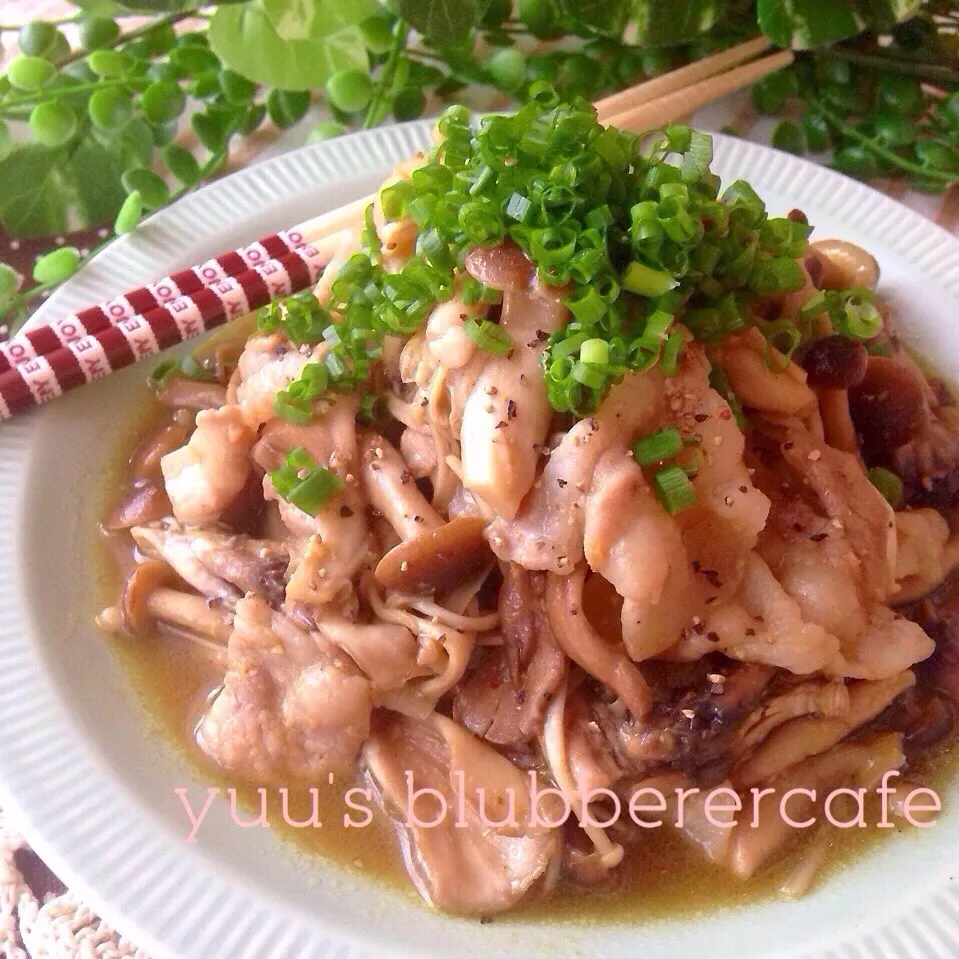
39,365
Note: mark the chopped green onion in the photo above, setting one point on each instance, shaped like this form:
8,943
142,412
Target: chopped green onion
672,351
697,156
776,275
699,457
162,373
304,484
657,328
488,336
193,369
674,489
785,336
518,207
588,307
657,447
888,483
645,281
595,352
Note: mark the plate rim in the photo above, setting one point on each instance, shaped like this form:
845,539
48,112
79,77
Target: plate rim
35,735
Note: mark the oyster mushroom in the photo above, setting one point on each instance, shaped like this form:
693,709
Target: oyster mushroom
433,555
147,597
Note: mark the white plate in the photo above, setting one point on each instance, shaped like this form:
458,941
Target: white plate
94,789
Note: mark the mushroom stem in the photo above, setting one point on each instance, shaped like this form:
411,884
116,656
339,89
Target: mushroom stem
190,612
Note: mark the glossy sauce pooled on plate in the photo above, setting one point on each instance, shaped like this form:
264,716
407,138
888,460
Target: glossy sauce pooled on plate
572,473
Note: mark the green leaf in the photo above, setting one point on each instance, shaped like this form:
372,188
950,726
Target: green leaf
9,282
57,265
32,202
313,19
595,16
802,24
92,176
663,23
443,23
100,8
244,38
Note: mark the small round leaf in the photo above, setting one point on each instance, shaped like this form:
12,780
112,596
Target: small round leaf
109,109
97,33
56,266
377,32
181,163
152,190
52,123
110,63
326,130
349,90
36,38
237,89
30,73
162,101
195,60
408,104
507,68
130,214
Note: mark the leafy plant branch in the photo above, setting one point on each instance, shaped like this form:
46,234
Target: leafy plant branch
115,123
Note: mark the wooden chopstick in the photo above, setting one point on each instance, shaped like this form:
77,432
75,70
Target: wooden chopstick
681,103
618,103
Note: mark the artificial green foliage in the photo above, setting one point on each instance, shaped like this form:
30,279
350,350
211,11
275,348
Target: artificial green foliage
99,128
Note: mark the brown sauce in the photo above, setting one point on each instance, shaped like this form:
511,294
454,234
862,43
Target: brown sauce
666,878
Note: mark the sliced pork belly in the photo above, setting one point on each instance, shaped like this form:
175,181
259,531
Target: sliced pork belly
291,703
204,477
330,548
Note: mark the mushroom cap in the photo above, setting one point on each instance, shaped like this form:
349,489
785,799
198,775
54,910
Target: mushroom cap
439,559
147,577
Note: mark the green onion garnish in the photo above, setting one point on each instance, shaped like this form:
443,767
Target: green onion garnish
776,275
488,336
303,483
674,489
607,214
645,281
192,369
164,371
853,312
888,483
658,447
785,336
594,351
672,351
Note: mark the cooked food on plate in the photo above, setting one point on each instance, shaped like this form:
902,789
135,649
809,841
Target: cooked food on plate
577,471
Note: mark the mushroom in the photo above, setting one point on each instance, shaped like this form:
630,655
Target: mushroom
139,587
888,406
503,267
433,555
145,462
389,486
437,560
835,362
181,392
147,597
845,265
144,502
